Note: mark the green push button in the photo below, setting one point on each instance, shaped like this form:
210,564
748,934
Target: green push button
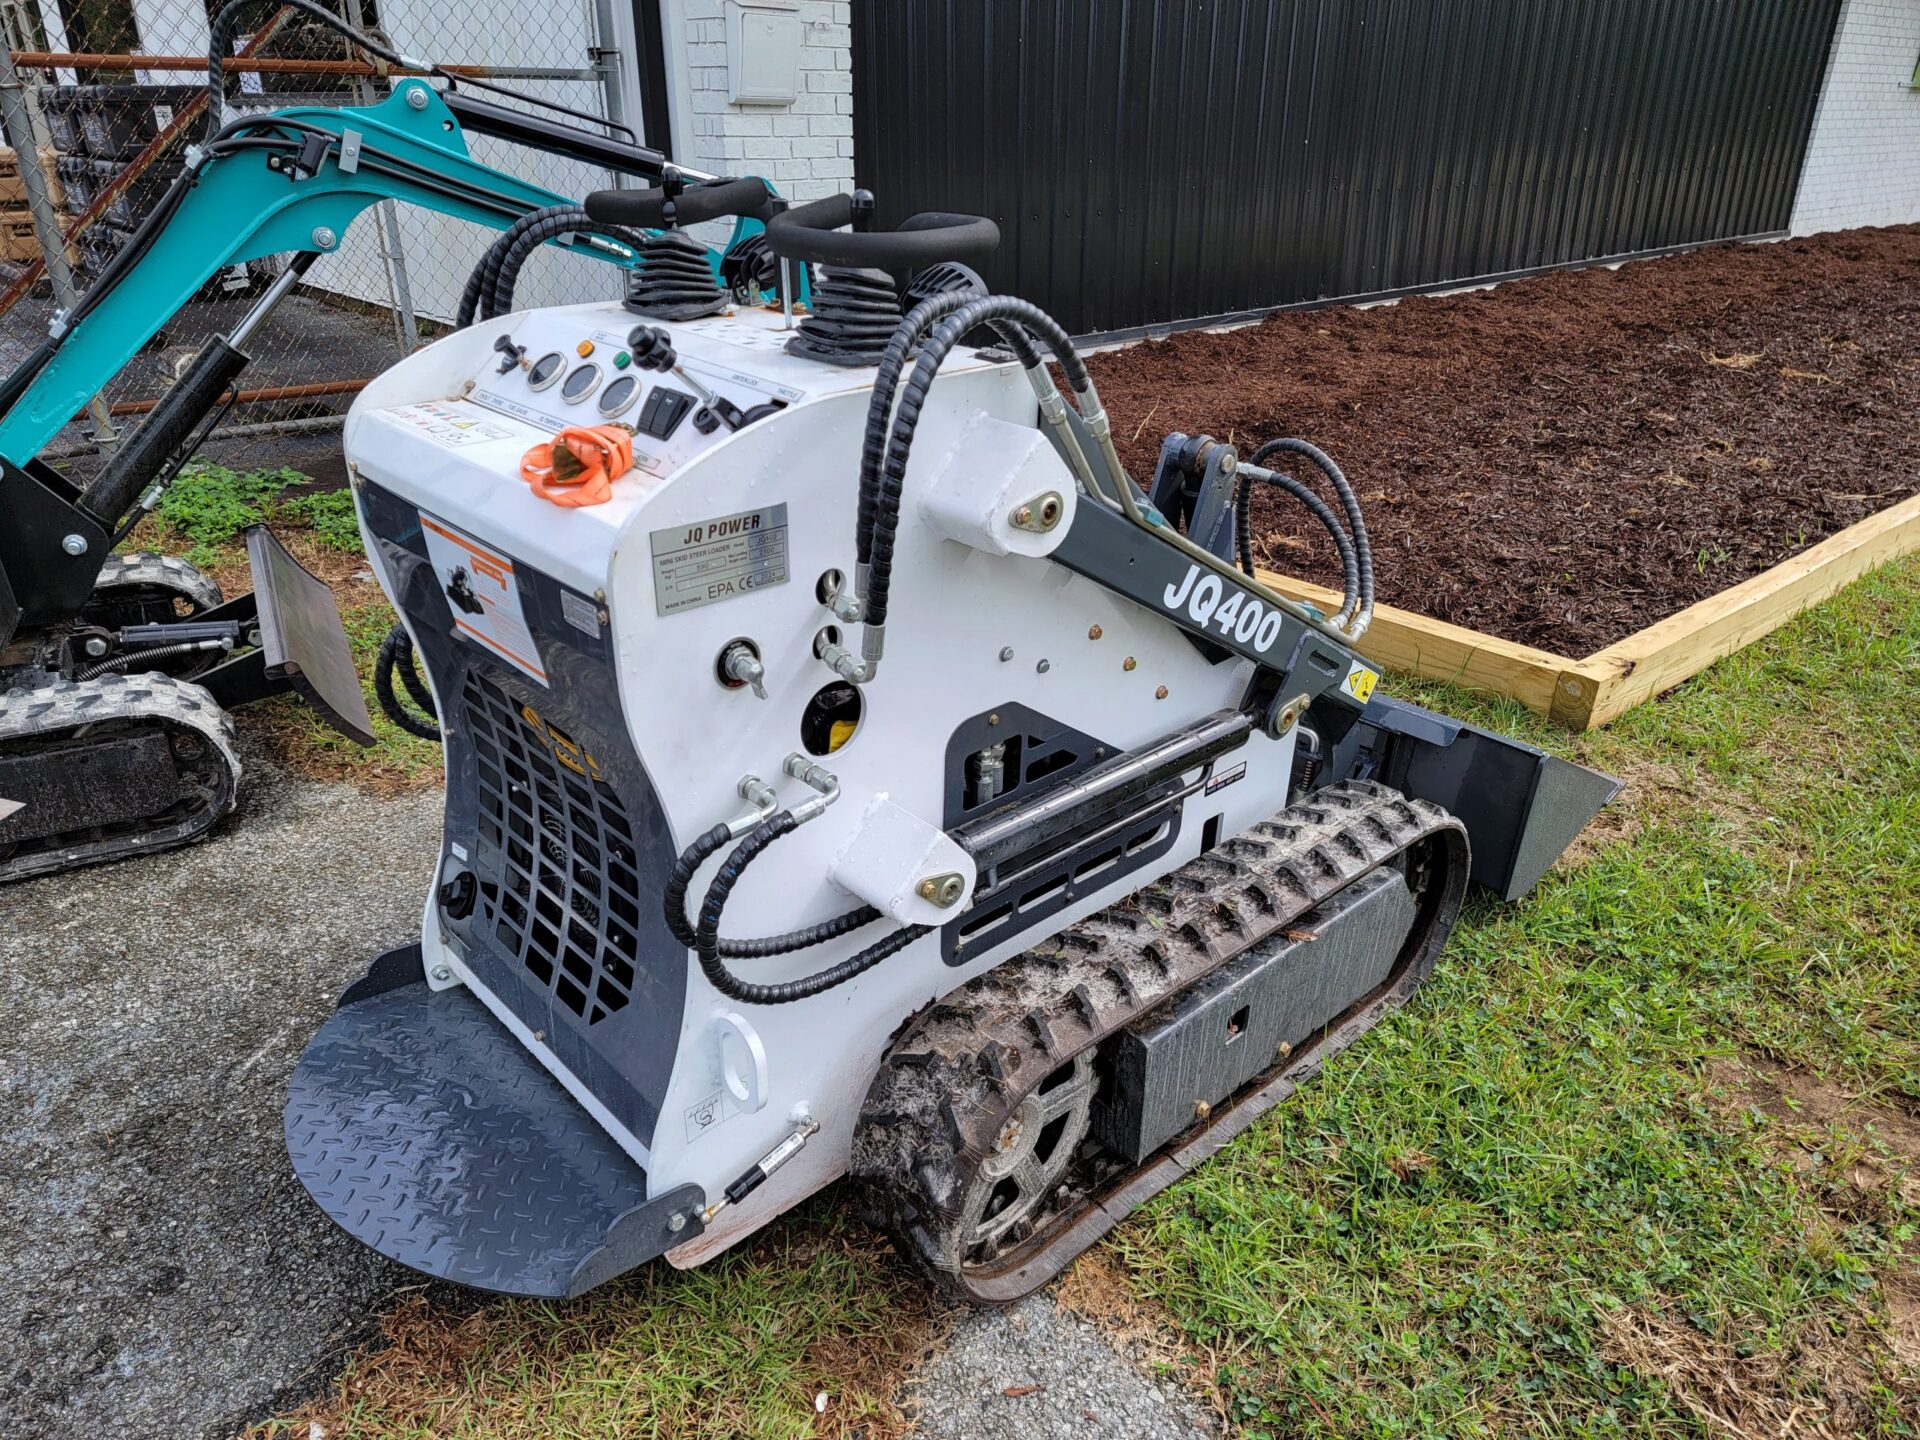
622,360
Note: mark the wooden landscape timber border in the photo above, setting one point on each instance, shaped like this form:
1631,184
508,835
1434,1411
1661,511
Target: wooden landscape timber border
1583,694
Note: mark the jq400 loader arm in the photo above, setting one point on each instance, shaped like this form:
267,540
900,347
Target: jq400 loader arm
116,670
871,779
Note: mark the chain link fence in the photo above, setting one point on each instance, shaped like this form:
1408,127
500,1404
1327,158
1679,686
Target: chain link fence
114,91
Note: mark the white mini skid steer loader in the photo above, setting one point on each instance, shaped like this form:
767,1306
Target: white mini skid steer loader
873,779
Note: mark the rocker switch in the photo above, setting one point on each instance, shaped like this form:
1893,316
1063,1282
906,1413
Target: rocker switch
664,411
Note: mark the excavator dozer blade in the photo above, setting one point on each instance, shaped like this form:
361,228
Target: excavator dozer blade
302,638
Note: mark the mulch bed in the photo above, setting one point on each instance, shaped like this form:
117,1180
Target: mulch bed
1564,460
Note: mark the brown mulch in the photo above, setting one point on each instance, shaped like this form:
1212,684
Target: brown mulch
1566,459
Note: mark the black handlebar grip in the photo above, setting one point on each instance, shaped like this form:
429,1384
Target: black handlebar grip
647,209
812,232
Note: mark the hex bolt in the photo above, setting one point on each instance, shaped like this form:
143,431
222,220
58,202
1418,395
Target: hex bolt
943,890
994,718
96,647
74,544
323,237
676,1222
416,97
1023,517
1095,632
1161,693
1043,667
1201,1109
1129,663
442,973
1286,1049
1006,653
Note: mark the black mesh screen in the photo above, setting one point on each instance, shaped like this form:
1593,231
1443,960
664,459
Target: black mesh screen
558,883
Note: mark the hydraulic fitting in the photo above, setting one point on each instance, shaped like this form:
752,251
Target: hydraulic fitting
760,797
844,663
815,777
740,663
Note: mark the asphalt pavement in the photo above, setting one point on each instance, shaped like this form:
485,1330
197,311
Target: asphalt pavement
164,1274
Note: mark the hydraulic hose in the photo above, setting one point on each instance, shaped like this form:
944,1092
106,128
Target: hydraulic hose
226,25
396,654
489,290
707,933
933,353
515,255
1356,522
681,880
1319,509
906,336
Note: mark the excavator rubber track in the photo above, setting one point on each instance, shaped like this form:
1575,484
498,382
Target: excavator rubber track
143,763
952,1085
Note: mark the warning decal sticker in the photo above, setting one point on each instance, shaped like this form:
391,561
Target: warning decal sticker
482,593
1360,682
450,425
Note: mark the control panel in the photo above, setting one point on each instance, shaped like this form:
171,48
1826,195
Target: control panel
679,388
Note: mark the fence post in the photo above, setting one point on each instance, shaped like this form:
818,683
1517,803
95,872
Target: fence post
605,57
16,118
393,257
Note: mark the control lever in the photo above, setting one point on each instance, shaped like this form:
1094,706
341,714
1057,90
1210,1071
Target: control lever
511,354
652,349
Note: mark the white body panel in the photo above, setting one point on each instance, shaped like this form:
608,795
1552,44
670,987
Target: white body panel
955,610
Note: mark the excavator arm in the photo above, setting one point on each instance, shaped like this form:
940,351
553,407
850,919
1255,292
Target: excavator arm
294,181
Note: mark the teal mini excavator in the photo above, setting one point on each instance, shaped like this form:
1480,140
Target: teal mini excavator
117,669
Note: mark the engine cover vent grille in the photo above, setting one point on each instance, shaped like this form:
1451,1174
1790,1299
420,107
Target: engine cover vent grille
559,887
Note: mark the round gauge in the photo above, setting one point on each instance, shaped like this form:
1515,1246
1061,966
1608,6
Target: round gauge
619,395
545,370
580,384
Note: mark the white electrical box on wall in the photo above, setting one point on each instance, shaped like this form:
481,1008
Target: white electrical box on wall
763,51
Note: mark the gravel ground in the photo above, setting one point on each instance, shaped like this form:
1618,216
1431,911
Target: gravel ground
165,1274
1081,1387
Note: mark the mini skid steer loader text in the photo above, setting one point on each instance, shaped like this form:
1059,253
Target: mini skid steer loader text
873,780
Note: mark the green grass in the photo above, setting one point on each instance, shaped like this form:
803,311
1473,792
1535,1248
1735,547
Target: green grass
210,505
742,1346
1445,1233
395,760
1430,1238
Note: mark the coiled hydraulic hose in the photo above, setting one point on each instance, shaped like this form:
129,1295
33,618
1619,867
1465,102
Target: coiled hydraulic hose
488,292
675,899
1356,522
707,943
933,353
396,654
906,336
1315,506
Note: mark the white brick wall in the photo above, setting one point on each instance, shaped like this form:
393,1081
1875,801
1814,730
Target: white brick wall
1863,160
806,148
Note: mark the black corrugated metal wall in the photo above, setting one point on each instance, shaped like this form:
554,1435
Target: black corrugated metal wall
1153,161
